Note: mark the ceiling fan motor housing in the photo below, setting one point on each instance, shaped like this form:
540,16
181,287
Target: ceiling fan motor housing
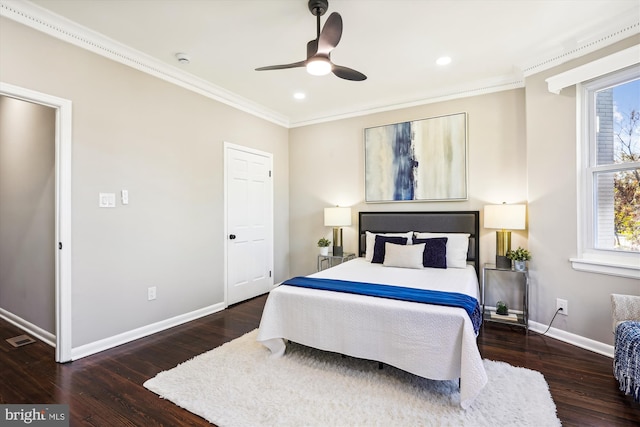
318,7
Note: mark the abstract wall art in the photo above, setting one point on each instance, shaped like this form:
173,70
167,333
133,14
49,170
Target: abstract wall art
422,160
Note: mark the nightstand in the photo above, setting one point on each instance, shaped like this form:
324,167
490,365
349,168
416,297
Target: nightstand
328,261
515,288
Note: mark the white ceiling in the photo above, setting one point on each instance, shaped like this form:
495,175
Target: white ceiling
394,42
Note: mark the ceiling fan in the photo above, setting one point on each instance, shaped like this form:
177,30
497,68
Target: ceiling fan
318,60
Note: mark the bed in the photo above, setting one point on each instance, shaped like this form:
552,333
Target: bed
430,340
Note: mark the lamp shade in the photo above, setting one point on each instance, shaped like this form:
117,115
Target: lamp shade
337,217
505,217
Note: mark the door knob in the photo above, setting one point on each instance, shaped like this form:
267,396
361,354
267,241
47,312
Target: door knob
232,236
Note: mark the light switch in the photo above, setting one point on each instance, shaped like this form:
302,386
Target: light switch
107,200
125,197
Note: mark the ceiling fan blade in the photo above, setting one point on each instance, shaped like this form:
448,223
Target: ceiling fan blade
330,34
348,73
312,48
319,49
283,66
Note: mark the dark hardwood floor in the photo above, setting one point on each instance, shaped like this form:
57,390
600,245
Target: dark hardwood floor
106,389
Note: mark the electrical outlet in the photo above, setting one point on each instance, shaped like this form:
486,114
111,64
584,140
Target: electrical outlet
564,305
151,293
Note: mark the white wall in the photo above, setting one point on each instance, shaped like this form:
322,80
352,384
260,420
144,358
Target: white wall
552,178
163,144
522,148
27,211
327,169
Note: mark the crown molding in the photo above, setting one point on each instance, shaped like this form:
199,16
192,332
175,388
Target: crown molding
475,89
618,29
66,30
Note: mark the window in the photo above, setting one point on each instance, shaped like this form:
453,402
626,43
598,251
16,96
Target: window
609,205
614,167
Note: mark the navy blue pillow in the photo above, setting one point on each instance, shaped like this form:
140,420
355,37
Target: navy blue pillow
435,252
378,248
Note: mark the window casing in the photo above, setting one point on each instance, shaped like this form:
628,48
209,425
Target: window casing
602,246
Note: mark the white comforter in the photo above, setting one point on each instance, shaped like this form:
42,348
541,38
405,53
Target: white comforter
431,341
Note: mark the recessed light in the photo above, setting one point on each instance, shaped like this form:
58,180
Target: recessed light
299,95
443,60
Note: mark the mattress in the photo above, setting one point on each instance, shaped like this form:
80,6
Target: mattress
431,341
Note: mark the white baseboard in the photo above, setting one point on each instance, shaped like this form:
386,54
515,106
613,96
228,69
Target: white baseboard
125,337
116,340
573,339
28,327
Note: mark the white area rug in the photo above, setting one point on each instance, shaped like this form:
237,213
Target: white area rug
237,384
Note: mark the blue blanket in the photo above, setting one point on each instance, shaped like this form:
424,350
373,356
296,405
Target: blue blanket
626,360
451,299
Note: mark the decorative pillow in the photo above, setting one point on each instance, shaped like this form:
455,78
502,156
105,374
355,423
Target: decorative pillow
457,247
404,256
378,248
435,252
371,241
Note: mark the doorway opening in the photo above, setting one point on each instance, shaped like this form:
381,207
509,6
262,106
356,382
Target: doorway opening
62,242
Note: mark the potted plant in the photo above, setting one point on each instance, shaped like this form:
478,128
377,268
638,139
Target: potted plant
502,308
519,257
323,244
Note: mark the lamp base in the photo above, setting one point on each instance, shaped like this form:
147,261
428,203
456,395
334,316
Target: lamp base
337,241
502,262
503,246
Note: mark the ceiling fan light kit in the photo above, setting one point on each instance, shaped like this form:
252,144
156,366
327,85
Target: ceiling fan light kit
318,62
318,66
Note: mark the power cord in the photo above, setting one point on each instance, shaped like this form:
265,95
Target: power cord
552,319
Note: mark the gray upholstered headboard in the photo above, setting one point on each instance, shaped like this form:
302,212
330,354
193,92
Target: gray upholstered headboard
437,222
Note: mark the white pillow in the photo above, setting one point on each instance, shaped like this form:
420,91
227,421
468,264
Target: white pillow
457,247
371,241
403,256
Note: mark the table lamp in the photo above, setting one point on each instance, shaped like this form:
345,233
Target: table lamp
337,217
504,218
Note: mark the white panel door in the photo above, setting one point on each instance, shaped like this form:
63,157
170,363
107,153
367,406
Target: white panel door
249,218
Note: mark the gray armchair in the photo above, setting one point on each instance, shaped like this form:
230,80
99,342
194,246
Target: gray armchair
626,326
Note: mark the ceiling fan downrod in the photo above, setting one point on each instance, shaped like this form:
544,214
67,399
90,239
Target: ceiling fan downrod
318,8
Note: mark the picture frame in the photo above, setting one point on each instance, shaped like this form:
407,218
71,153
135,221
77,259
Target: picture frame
420,160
